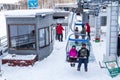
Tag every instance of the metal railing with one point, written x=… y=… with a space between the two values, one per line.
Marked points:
x=3 y=40
x=23 y=39
x=3 y=43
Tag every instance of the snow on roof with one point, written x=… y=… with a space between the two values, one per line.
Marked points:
x=27 y=13
x=61 y=13
x=8 y=1
x=66 y=5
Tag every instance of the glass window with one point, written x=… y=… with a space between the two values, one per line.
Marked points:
x=50 y=30
x=103 y=20
x=44 y=39
x=41 y=38
x=52 y=33
x=22 y=36
x=47 y=36
x=13 y=33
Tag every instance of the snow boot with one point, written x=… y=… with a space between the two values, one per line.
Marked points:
x=86 y=70
x=78 y=69
x=73 y=64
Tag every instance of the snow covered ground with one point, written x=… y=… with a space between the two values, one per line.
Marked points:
x=2 y=25
x=55 y=66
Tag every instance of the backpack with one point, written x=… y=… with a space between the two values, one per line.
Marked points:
x=83 y=52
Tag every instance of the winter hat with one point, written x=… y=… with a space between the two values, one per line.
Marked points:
x=83 y=44
x=74 y=46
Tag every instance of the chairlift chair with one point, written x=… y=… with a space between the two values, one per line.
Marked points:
x=71 y=41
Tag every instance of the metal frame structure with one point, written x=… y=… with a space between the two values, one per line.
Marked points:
x=112 y=23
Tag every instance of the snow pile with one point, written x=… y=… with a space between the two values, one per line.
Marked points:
x=19 y=57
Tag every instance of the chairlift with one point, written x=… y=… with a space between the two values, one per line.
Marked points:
x=72 y=41
x=80 y=23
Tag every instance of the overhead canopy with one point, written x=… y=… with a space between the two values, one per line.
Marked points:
x=72 y=5
x=28 y=13
x=61 y=13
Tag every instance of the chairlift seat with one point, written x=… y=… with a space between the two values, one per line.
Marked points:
x=71 y=42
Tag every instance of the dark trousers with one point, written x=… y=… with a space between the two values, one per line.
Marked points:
x=60 y=37
x=83 y=36
x=56 y=37
x=88 y=34
x=118 y=52
x=84 y=61
x=76 y=37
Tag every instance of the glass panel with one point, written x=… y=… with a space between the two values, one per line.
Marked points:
x=103 y=21
x=41 y=38
x=50 y=34
x=13 y=33
x=47 y=36
x=22 y=36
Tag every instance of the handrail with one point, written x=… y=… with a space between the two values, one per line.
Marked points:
x=23 y=39
x=3 y=37
x=3 y=43
x=72 y=21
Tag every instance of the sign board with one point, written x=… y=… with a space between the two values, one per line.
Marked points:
x=113 y=68
x=32 y=4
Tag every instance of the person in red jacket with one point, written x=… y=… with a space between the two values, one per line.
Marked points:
x=60 y=32
x=56 y=37
x=88 y=30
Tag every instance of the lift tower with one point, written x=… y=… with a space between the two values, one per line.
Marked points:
x=112 y=31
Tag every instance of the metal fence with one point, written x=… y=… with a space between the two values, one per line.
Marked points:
x=3 y=40
x=3 y=43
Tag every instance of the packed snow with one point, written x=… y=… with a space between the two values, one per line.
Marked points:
x=19 y=57
x=55 y=67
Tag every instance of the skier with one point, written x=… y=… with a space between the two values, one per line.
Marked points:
x=73 y=55
x=83 y=55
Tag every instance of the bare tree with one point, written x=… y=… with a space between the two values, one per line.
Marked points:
x=23 y=4
x=44 y=3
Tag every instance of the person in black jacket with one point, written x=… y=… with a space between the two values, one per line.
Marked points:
x=118 y=46
x=76 y=34
x=83 y=55
x=83 y=32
